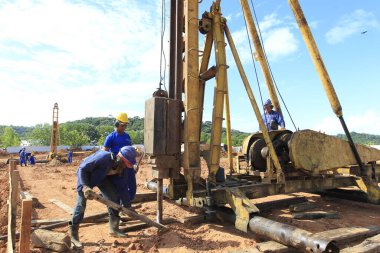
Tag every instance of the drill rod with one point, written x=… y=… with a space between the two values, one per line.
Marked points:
x=127 y=211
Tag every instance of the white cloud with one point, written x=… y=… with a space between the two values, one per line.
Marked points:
x=94 y=59
x=367 y=122
x=280 y=42
x=278 y=36
x=351 y=24
x=270 y=21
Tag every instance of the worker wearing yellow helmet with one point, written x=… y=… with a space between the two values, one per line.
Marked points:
x=119 y=138
x=114 y=142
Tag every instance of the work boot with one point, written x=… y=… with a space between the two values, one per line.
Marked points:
x=114 y=227
x=73 y=231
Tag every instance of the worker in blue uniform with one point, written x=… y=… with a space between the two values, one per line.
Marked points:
x=118 y=139
x=32 y=160
x=22 y=154
x=107 y=172
x=70 y=156
x=272 y=119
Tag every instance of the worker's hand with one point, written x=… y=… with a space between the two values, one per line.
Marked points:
x=88 y=192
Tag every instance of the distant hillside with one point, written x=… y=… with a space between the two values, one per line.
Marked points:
x=93 y=130
x=361 y=138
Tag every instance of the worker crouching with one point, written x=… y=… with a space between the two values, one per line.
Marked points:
x=109 y=173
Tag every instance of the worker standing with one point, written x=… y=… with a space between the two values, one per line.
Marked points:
x=32 y=160
x=271 y=118
x=22 y=154
x=118 y=139
x=70 y=156
x=102 y=169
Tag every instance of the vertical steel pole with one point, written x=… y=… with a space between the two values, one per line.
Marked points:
x=260 y=55
x=172 y=52
x=228 y=129
x=159 y=200
x=191 y=156
x=179 y=51
x=322 y=73
x=219 y=91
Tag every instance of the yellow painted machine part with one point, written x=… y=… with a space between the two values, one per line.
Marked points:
x=219 y=91
x=316 y=57
x=203 y=67
x=253 y=103
x=191 y=159
x=54 y=140
x=228 y=129
x=260 y=55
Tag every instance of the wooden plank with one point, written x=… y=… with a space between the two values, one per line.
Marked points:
x=37 y=223
x=194 y=219
x=315 y=215
x=346 y=235
x=246 y=250
x=302 y=207
x=25 y=226
x=145 y=197
x=62 y=205
x=272 y=246
x=370 y=245
x=12 y=205
x=280 y=203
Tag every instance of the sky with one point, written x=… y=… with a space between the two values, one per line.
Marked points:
x=99 y=58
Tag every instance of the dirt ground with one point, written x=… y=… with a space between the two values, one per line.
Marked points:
x=59 y=182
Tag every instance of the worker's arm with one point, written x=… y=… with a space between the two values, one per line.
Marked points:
x=106 y=149
x=280 y=121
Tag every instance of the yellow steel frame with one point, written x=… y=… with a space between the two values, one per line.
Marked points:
x=191 y=158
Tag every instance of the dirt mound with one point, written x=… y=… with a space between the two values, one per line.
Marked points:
x=4 y=192
x=54 y=163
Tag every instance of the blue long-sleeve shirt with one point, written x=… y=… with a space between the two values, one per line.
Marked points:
x=93 y=171
x=273 y=116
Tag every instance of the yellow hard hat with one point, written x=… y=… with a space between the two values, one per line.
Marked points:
x=122 y=117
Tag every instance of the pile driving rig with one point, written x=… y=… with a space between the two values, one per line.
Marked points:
x=278 y=161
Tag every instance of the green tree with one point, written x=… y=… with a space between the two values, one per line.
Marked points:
x=40 y=135
x=103 y=131
x=10 y=137
x=83 y=128
x=73 y=138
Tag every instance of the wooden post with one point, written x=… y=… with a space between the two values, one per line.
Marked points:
x=25 y=226
x=12 y=205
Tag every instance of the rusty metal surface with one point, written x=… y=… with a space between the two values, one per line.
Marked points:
x=292 y=236
x=161 y=126
x=315 y=152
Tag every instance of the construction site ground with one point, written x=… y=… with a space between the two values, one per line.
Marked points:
x=46 y=182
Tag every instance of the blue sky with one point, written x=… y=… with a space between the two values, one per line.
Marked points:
x=97 y=58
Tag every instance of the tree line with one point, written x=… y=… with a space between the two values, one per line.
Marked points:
x=93 y=131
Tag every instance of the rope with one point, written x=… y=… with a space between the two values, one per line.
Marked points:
x=270 y=70
x=254 y=65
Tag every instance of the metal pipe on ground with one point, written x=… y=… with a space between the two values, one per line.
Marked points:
x=292 y=236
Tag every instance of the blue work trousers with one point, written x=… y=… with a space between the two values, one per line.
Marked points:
x=108 y=191
x=22 y=161
x=131 y=182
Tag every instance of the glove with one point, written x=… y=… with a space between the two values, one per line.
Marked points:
x=88 y=192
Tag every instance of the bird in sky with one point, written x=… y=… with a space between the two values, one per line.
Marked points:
x=363 y=32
